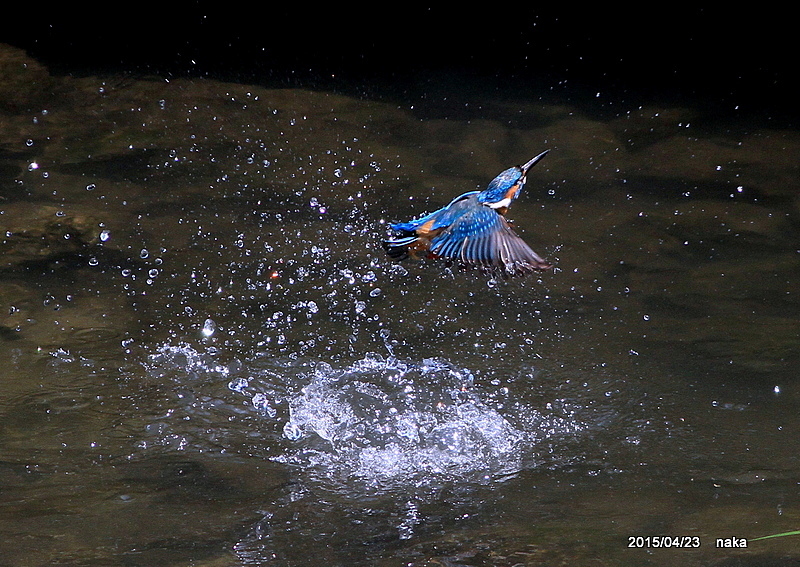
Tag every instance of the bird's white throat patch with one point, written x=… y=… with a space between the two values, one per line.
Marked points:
x=499 y=204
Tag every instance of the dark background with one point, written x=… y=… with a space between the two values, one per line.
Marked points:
x=698 y=54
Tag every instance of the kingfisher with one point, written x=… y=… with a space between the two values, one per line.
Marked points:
x=472 y=229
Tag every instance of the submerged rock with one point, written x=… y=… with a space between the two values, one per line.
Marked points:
x=24 y=82
x=34 y=231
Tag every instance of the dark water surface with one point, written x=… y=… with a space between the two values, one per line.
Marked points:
x=208 y=360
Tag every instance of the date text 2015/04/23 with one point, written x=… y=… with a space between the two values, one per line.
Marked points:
x=663 y=541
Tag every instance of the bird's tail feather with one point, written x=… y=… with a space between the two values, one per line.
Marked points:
x=397 y=248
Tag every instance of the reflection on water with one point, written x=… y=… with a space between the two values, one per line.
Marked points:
x=208 y=357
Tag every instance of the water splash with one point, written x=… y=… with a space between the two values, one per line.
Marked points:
x=377 y=421
x=385 y=421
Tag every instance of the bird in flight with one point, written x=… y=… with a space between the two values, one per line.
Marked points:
x=472 y=229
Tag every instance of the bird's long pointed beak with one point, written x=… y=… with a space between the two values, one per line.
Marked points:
x=533 y=162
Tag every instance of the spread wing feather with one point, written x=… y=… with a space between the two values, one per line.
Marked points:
x=477 y=235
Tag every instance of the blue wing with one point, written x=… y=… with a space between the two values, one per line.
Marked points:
x=415 y=235
x=477 y=235
x=413 y=225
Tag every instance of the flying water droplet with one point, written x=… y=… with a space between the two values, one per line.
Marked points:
x=209 y=327
x=238 y=384
x=261 y=403
x=291 y=431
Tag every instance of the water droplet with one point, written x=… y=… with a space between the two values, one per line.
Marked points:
x=238 y=384
x=261 y=403
x=144 y=253
x=209 y=327
x=105 y=235
x=90 y=187
x=292 y=432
